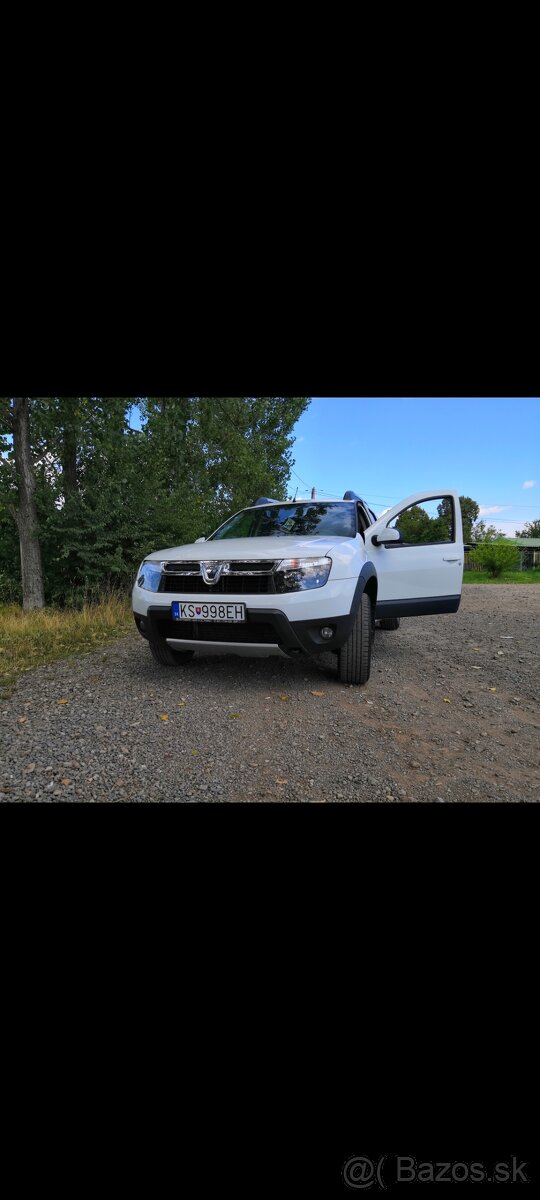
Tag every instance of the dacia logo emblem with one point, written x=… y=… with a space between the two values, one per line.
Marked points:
x=212 y=571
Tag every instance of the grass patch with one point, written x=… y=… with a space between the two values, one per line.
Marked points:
x=32 y=639
x=532 y=576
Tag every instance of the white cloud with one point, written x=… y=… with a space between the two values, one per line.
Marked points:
x=300 y=439
x=495 y=508
x=529 y=483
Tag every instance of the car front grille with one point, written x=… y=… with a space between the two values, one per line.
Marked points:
x=248 y=578
x=229 y=585
x=248 y=567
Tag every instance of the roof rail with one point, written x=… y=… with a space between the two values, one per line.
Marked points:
x=263 y=500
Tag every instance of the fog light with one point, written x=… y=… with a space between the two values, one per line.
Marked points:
x=326 y=632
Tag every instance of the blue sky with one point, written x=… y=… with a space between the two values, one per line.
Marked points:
x=386 y=449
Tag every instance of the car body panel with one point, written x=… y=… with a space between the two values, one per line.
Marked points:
x=417 y=572
x=333 y=600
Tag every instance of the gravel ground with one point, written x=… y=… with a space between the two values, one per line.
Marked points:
x=451 y=713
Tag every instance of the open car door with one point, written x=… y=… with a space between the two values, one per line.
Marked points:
x=417 y=550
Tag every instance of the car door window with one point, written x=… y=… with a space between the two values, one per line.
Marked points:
x=427 y=524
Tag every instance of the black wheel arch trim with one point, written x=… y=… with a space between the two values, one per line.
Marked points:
x=367 y=573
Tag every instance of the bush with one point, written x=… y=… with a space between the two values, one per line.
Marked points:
x=496 y=557
x=10 y=589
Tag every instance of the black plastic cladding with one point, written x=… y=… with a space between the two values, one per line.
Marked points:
x=355 y=496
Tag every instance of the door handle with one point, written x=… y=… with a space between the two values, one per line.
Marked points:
x=458 y=560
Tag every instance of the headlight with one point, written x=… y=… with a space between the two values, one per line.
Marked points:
x=300 y=574
x=149 y=576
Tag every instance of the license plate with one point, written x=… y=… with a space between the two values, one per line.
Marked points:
x=182 y=611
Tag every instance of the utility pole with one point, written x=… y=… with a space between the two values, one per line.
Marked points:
x=313 y=493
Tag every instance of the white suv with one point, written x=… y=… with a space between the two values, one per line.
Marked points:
x=302 y=577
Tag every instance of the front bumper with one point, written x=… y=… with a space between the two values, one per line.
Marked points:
x=266 y=630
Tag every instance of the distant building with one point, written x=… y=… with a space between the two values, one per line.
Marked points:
x=529 y=549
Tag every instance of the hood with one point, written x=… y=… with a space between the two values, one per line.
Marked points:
x=274 y=548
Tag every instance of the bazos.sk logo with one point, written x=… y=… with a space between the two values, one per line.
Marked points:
x=361 y=1173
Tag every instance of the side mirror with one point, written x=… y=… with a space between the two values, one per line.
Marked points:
x=389 y=537
x=200 y=540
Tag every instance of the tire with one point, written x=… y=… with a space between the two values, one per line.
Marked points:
x=166 y=656
x=389 y=623
x=354 y=658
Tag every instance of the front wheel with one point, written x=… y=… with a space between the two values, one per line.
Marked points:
x=166 y=656
x=354 y=658
x=389 y=623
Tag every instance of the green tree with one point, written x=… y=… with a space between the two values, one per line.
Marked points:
x=531 y=529
x=105 y=494
x=89 y=503
x=496 y=557
x=213 y=455
x=469 y=513
x=417 y=528
x=177 y=491
x=486 y=533
x=20 y=493
x=10 y=565
x=84 y=505
x=247 y=442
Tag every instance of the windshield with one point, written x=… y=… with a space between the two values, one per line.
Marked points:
x=291 y=520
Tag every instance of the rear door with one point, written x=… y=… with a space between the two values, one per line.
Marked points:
x=422 y=573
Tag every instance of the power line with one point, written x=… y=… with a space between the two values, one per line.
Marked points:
x=301 y=480
x=372 y=500
x=323 y=492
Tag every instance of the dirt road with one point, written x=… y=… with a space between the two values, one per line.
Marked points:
x=451 y=713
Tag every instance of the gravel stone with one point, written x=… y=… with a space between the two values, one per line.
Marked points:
x=392 y=741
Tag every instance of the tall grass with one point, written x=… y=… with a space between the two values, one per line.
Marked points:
x=31 y=639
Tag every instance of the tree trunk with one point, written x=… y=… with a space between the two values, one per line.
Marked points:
x=25 y=514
